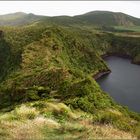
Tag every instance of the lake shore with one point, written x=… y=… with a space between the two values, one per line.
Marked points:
x=126 y=56
x=116 y=54
x=100 y=74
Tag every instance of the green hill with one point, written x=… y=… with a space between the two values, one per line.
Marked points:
x=108 y=18
x=47 y=87
x=18 y=18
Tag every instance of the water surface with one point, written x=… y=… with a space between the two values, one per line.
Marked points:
x=123 y=83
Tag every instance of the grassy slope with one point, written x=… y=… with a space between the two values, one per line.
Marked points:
x=59 y=62
x=51 y=120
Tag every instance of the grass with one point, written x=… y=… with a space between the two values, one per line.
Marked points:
x=39 y=120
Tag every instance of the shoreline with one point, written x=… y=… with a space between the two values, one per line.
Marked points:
x=101 y=73
x=116 y=54
x=125 y=56
x=105 y=72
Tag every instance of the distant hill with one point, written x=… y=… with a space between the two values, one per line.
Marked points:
x=108 y=18
x=18 y=18
x=91 y=18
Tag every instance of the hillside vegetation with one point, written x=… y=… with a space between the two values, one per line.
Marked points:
x=46 y=81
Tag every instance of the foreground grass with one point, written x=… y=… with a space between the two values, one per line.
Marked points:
x=51 y=120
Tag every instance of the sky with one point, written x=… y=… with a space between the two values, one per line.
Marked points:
x=71 y=8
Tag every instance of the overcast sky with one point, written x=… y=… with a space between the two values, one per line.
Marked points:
x=55 y=8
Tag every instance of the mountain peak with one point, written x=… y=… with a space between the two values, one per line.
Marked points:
x=98 y=12
x=20 y=13
x=108 y=18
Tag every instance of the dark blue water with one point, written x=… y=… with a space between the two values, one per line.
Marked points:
x=123 y=84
